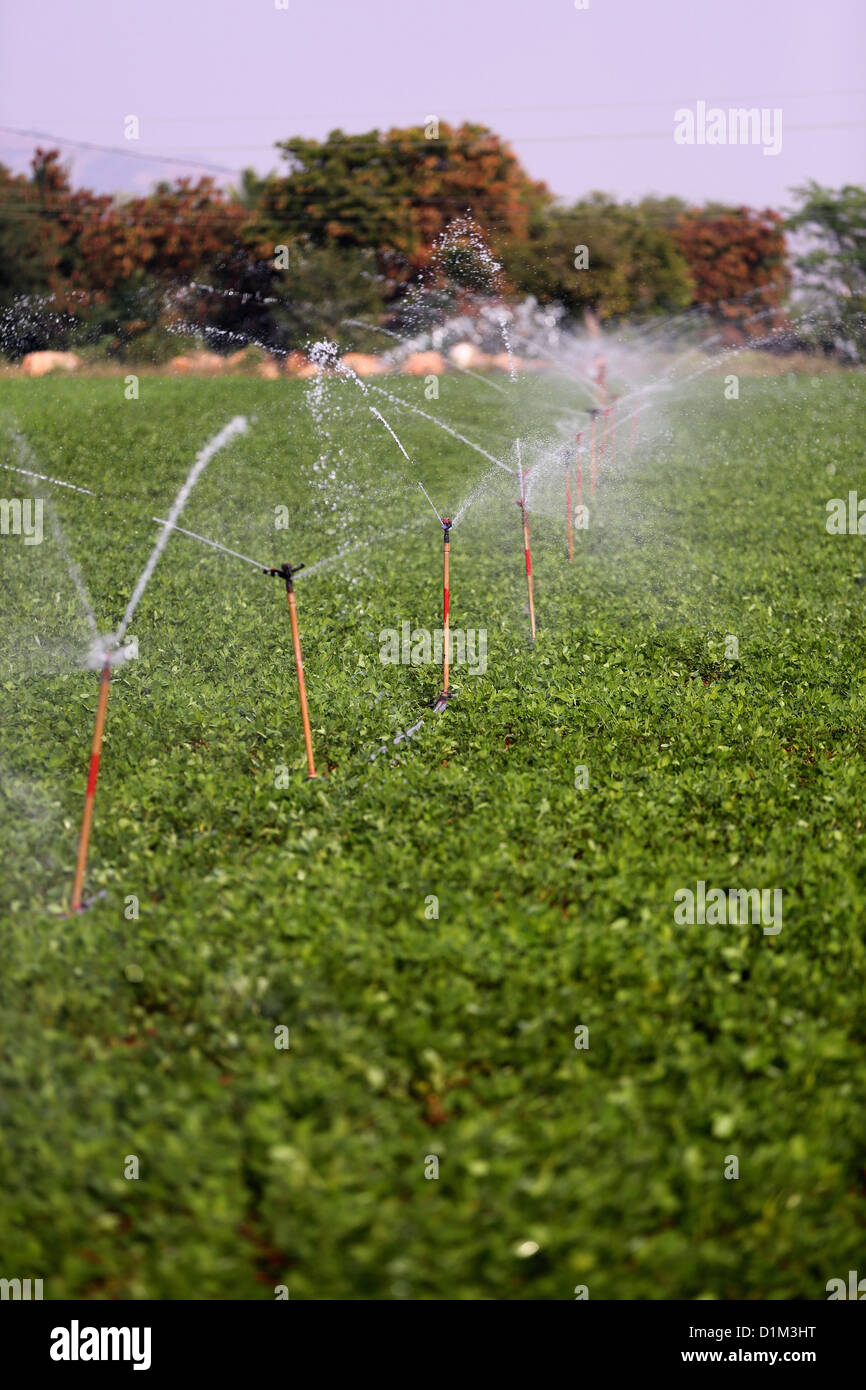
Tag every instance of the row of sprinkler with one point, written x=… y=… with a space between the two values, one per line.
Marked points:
x=287 y=572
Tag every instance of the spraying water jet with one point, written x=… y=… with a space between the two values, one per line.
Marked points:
x=110 y=650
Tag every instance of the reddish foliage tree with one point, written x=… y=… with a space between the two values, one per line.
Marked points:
x=172 y=233
x=738 y=259
x=109 y=261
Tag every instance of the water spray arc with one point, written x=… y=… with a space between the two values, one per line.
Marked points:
x=109 y=648
x=215 y=545
x=288 y=572
x=236 y=426
x=446 y=524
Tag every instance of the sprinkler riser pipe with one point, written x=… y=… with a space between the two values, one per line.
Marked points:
x=302 y=687
x=579 y=469
x=593 y=469
x=92 y=779
x=287 y=572
x=446 y=610
x=528 y=559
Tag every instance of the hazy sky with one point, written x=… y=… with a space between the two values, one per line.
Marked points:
x=587 y=97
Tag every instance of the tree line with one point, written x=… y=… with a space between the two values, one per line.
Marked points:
x=354 y=224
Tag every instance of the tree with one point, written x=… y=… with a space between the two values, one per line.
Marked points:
x=738 y=260
x=394 y=193
x=26 y=260
x=32 y=251
x=834 y=267
x=602 y=256
x=182 y=255
x=106 y=268
x=662 y=212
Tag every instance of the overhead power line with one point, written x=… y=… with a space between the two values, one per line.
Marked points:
x=179 y=152
x=286 y=117
x=114 y=149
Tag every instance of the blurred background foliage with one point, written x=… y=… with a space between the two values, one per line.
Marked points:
x=359 y=218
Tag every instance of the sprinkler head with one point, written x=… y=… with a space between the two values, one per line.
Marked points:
x=85 y=904
x=441 y=701
x=447 y=523
x=286 y=572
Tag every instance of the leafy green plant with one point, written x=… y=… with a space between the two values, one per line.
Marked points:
x=306 y=906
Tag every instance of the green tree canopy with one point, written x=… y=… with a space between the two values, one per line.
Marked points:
x=834 y=266
x=630 y=264
x=394 y=193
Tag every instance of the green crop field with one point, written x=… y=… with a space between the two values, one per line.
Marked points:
x=437 y=921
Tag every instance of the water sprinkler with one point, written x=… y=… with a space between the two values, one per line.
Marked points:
x=579 y=470
x=601 y=377
x=521 y=502
x=287 y=572
x=92 y=778
x=110 y=649
x=447 y=693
